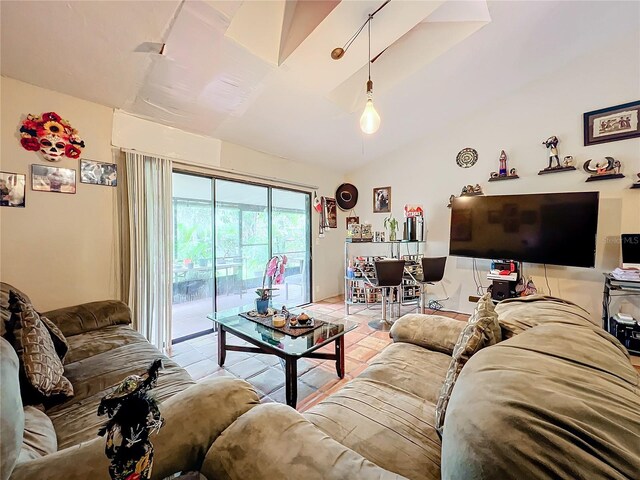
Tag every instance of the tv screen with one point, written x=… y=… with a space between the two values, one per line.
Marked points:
x=551 y=228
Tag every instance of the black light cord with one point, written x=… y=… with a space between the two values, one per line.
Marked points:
x=369 y=32
x=355 y=35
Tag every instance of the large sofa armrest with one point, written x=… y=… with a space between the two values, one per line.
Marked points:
x=274 y=441
x=434 y=332
x=193 y=420
x=89 y=316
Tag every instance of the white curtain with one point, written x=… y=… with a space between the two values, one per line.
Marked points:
x=150 y=246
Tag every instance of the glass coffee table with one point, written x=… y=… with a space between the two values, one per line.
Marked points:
x=269 y=341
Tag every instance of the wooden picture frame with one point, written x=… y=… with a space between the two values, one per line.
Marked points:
x=611 y=124
x=382 y=200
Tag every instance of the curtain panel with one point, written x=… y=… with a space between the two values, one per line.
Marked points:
x=150 y=246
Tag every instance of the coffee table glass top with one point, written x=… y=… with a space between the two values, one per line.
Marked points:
x=295 y=346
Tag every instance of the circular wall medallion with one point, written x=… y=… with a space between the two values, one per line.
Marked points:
x=467 y=157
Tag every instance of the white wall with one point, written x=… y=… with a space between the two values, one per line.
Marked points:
x=426 y=172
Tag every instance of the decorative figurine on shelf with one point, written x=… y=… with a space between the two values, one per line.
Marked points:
x=552 y=144
x=133 y=417
x=606 y=170
x=637 y=184
x=502 y=173
x=567 y=165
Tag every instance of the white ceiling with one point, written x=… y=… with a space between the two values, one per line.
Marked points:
x=259 y=73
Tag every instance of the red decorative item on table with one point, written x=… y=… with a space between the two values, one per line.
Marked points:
x=53 y=136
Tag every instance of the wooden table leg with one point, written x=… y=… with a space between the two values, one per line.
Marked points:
x=291 y=381
x=222 y=343
x=340 y=356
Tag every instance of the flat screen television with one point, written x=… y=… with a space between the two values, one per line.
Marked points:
x=551 y=228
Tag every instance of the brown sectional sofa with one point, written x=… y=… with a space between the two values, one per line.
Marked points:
x=103 y=350
x=558 y=400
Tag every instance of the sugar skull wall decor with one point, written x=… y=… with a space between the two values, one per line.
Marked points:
x=54 y=137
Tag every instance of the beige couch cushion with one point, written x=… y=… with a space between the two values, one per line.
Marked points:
x=557 y=401
x=11 y=411
x=387 y=413
x=39 y=435
x=516 y=315
x=482 y=330
x=414 y=369
x=96 y=375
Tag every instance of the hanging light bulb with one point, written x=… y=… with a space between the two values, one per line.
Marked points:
x=370 y=120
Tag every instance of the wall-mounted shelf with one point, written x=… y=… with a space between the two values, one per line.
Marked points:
x=556 y=170
x=607 y=176
x=503 y=177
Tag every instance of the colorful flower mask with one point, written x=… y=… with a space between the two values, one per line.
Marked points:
x=53 y=136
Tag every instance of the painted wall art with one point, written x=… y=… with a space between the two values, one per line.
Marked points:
x=612 y=123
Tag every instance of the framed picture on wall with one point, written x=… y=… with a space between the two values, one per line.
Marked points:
x=382 y=200
x=12 y=187
x=53 y=179
x=612 y=123
x=330 y=212
x=98 y=173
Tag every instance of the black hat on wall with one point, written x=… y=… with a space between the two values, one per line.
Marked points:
x=346 y=196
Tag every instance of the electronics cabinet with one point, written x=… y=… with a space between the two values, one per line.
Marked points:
x=360 y=272
x=629 y=336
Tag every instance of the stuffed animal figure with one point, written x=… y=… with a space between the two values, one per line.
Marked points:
x=133 y=416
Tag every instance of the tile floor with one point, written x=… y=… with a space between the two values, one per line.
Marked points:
x=316 y=378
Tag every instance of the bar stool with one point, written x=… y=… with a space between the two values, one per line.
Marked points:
x=432 y=272
x=389 y=275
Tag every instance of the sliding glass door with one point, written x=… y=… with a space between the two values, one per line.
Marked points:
x=224 y=233
x=290 y=236
x=242 y=241
x=193 y=283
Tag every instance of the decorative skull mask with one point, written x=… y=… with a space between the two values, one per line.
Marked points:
x=53 y=136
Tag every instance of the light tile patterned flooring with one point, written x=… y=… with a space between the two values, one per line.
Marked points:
x=316 y=378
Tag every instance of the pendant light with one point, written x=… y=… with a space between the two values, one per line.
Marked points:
x=370 y=119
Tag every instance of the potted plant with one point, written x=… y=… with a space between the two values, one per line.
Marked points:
x=274 y=271
x=391 y=224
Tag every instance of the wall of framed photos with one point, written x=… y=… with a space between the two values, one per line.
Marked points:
x=518 y=122
x=62 y=247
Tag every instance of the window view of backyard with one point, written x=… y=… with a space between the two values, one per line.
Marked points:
x=221 y=247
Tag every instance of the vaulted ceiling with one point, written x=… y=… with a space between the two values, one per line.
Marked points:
x=259 y=73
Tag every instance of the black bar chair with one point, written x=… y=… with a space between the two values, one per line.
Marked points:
x=389 y=275
x=432 y=272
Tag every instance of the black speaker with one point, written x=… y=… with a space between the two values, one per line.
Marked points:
x=501 y=289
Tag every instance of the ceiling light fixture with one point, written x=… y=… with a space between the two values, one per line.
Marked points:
x=370 y=120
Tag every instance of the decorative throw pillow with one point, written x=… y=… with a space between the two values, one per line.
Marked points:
x=58 y=338
x=41 y=367
x=481 y=330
